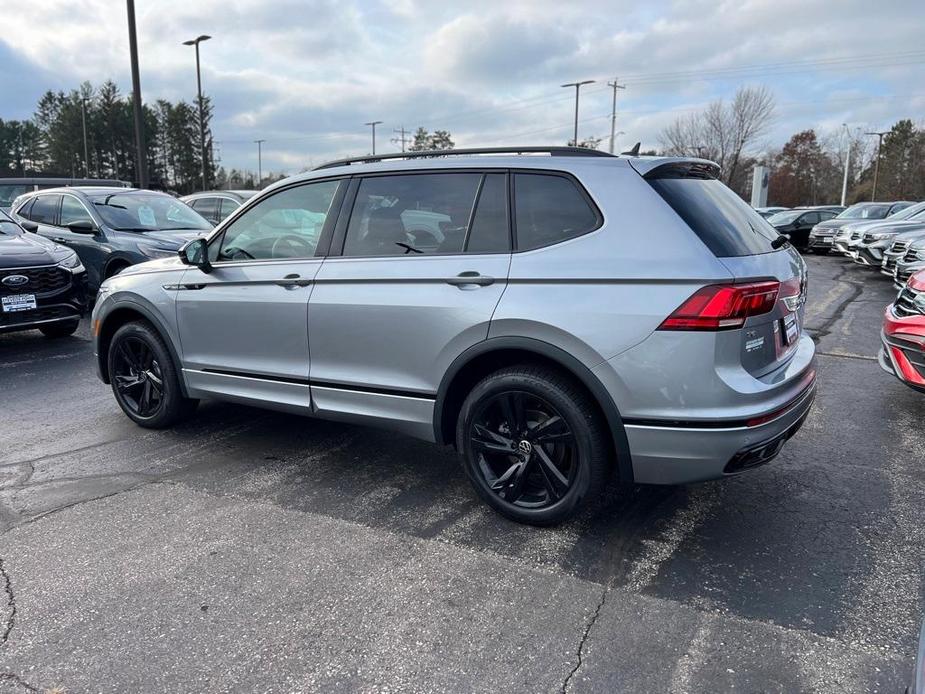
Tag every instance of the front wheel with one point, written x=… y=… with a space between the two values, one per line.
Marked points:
x=532 y=444
x=62 y=329
x=144 y=378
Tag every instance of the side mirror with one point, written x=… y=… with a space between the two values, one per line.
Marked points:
x=82 y=226
x=29 y=225
x=196 y=252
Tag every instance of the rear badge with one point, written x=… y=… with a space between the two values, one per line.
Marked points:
x=752 y=345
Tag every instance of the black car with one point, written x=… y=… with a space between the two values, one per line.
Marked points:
x=42 y=285
x=797 y=223
x=110 y=228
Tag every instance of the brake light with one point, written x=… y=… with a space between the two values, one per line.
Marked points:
x=723 y=306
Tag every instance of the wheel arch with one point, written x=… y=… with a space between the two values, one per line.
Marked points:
x=115 y=318
x=495 y=353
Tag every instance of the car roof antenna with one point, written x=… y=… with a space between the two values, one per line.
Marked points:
x=634 y=152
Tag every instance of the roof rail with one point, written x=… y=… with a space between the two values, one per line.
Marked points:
x=552 y=151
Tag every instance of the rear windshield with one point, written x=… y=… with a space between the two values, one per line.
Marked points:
x=723 y=221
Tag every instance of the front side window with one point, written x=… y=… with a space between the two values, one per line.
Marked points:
x=73 y=211
x=141 y=211
x=429 y=214
x=227 y=207
x=549 y=209
x=44 y=209
x=810 y=218
x=207 y=207
x=285 y=225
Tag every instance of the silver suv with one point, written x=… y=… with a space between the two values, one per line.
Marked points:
x=557 y=318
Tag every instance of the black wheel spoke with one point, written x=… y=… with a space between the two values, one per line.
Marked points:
x=126 y=353
x=556 y=483
x=553 y=429
x=523 y=449
x=137 y=377
x=489 y=440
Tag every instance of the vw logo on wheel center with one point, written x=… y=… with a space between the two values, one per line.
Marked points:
x=526 y=448
x=15 y=280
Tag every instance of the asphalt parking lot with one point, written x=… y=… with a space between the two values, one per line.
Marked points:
x=255 y=551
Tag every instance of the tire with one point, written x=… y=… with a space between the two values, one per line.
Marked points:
x=62 y=329
x=506 y=449
x=144 y=377
x=821 y=251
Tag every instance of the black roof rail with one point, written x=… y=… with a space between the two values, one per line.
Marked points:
x=552 y=151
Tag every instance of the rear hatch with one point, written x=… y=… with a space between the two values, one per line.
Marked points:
x=766 y=330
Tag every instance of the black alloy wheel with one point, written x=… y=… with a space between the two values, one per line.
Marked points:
x=137 y=376
x=526 y=451
x=533 y=444
x=144 y=378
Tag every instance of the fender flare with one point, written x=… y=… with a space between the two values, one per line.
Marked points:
x=151 y=316
x=563 y=359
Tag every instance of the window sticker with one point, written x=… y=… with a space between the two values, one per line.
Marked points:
x=146 y=216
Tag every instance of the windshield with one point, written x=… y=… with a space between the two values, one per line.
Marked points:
x=10 y=191
x=865 y=212
x=147 y=212
x=784 y=217
x=7 y=226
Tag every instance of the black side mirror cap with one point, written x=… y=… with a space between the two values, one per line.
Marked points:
x=29 y=225
x=82 y=227
x=196 y=252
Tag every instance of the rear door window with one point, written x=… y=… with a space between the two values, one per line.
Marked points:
x=227 y=207
x=208 y=208
x=721 y=219
x=550 y=208
x=45 y=209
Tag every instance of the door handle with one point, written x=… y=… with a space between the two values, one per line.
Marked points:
x=470 y=277
x=59 y=239
x=292 y=282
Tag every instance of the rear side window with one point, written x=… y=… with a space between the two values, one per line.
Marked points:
x=44 y=209
x=549 y=209
x=26 y=209
x=720 y=218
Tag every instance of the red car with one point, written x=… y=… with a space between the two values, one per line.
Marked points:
x=903 y=351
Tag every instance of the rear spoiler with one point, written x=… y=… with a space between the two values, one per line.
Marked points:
x=675 y=167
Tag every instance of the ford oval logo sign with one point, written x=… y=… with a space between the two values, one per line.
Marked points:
x=15 y=281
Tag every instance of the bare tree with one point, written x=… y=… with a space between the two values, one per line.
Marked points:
x=723 y=132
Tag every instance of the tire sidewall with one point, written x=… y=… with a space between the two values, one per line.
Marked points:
x=552 y=393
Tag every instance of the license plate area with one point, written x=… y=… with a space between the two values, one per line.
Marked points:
x=18 y=302
x=790 y=328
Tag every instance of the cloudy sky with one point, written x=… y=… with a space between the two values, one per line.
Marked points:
x=306 y=74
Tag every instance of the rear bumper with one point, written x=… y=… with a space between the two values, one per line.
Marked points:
x=697 y=451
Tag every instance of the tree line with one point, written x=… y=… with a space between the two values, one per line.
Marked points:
x=809 y=169
x=52 y=141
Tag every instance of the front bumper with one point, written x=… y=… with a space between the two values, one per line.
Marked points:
x=901 y=354
x=869 y=255
x=818 y=242
x=65 y=304
x=695 y=452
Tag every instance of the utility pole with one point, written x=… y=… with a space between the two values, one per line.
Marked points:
x=578 y=86
x=140 y=159
x=613 y=110
x=402 y=139
x=873 y=195
x=373 y=124
x=202 y=122
x=844 y=181
x=259 y=161
x=83 y=117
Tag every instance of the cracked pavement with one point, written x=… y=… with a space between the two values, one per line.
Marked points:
x=255 y=551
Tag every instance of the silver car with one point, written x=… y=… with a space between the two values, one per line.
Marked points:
x=911 y=262
x=899 y=244
x=557 y=318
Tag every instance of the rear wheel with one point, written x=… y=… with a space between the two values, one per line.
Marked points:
x=532 y=444
x=62 y=329
x=144 y=378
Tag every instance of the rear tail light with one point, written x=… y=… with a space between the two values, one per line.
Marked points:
x=723 y=306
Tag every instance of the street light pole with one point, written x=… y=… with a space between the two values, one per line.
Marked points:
x=140 y=158
x=259 y=161
x=374 y=124
x=577 y=86
x=873 y=195
x=83 y=117
x=202 y=122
